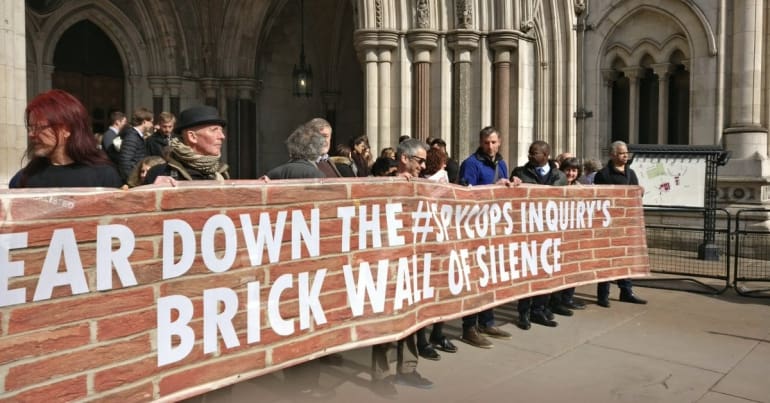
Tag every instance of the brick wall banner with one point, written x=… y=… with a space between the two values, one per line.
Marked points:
x=161 y=293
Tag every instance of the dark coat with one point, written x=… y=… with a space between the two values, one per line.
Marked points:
x=157 y=144
x=296 y=169
x=179 y=171
x=609 y=175
x=107 y=145
x=132 y=150
x=528 y=174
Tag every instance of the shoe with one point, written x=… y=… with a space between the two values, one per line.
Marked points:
x=413 y=379
x=523 y=323
x=603 y=302
x=333 y=359
x=630 y=297
x=541 y=319
x=428 y=352
x=317 y=393
x=560 y=309
x=384 y=388
x=444 y=345
x=494 y=331
x=472 y=336
x=548 y=313
x=575 y=305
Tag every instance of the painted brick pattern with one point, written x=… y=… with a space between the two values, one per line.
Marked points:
x=102 y=345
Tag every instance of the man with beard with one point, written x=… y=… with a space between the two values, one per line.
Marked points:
x=158 y=142
x=484 y=167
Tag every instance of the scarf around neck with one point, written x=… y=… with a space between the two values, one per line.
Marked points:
x=205 y=164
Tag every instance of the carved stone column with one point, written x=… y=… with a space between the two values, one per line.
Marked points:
x=422 y=43
x=663 y=71
x=462 y=42
x=608 y=80
x=245 y=138
x=366 y=45
x=13 y=92
x=173 y=84
x=330 y=99
x=209 y=86
x=46 y=77
x=745 y=136
x=633 y=74
x=504 y=43
x=157 y=85
x=375 y=48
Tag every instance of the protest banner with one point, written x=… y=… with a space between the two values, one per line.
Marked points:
x=162 y=293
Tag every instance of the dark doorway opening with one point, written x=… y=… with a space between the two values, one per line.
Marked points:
x=87 y=64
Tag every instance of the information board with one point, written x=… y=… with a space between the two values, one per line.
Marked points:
x=671 y=180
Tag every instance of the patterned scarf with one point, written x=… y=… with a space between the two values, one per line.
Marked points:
x=205 y=164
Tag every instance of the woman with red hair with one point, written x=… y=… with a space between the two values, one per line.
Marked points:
x=62 y=151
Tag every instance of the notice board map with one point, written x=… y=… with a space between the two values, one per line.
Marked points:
x=671 y=180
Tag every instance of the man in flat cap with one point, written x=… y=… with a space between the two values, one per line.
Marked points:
x=195 y=153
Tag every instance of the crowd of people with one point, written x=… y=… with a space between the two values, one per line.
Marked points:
x=62 y=152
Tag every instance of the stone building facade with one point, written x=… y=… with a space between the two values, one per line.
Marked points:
x=576 y=73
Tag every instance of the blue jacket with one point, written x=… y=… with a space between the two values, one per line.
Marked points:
x=479 y=169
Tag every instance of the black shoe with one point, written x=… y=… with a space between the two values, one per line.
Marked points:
x=444 y=345
x=603 y=302
x=413 y=379
x=428 y=352
x=574 y=305
x=630 y=297
x=384 y=388
x=523 y=323
x=541 y=319
x=560 y=309
x=548 y=313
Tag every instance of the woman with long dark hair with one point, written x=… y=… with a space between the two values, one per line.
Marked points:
x=62 y=151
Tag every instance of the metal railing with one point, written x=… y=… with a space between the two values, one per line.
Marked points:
x=752 y=254
x=678 y=248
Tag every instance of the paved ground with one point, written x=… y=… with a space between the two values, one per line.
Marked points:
x=681 y=347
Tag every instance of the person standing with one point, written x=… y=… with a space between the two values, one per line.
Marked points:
x=305 y=146
x=411 y=155
x=132 y=148
x=617 y=172
x=117 y=123
x=62 y=151
x=195 y=153
x=158 y=142
x=539 y=170
x=452 y=168
x=484 y=167
x=566 y=297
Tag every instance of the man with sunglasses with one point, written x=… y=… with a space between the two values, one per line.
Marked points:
x=410 y=154
x=484 y=167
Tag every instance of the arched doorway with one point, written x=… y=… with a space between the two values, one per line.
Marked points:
x=87 y=64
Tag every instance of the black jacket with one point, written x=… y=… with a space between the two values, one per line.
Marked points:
x=157 y=144
x=609 y=175
x=132 y=151
x=528 y=174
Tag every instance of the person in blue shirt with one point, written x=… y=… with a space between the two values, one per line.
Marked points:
x=484 y=167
